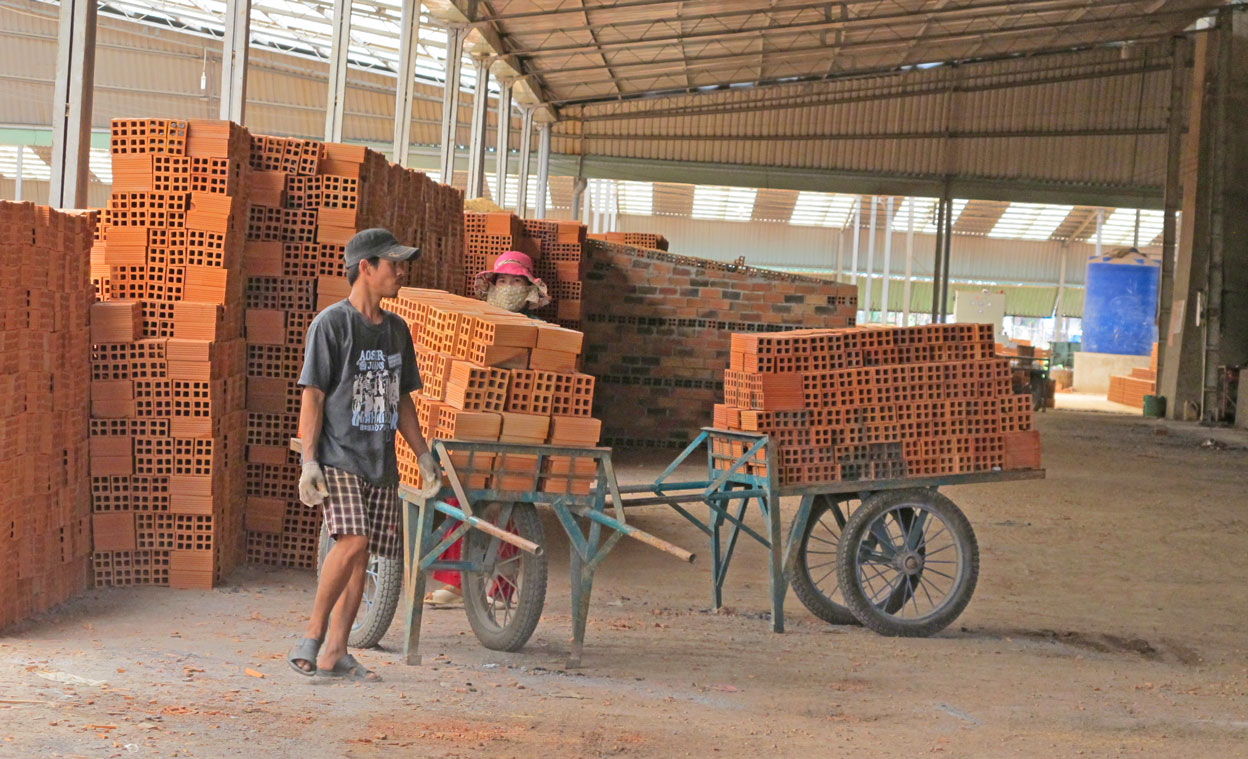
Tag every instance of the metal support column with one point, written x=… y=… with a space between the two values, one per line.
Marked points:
x=450 y=102
x=1058 y=309
x=476 y=140
x=1217 y=220
x=543 y=169
x=17 y=182
x=338 y=70
x=853 y=261
x=409 y=36
x=888 y=259
x=526 y=142
x=866 y=309
x=940 y=253
x=502 y=149
x=72 y=101
x=234 y=60
x=905 y=292
x=944 y=279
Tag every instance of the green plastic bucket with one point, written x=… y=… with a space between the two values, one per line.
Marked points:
x=1154 y=406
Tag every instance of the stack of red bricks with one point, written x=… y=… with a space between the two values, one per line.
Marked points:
x=494 y=376
x=557 y=250
x=1130 y=389
x=308 y=199
x=658 y=327
x=167 y=372
x=45 y=502
x=649 y=240
x=877 y=403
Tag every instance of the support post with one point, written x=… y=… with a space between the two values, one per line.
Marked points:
x=1058 y=307
x=476 y=141
x=944 y=280
x=526 y=142
x=450 y=102
x=940 y=252
x=543 y=169
x=905 y=292
x=853 y=261
x=1217 y=218
x=17 y=189
x=1173 y=197
x=72 y=97
x=502 y=150
x=866 y=310
x=234 y=50
x=409 y=36
x=339 y=48
x=888 y=259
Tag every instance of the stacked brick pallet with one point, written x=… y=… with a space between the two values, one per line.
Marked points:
x=167 y=373
x=45 y=503
x=633 y=239
x=493 y=376
x=556 y=247
x=1130 y=389
x=658 y=326
x=877 y=403
x=307 y=200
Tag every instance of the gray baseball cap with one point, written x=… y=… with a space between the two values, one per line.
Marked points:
x=377 y=243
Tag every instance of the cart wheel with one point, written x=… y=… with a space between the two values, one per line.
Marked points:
x=815 y=582
x=908 y=562
x=504 y=602
x=383 y=585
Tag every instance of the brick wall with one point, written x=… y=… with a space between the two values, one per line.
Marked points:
x=657 y=329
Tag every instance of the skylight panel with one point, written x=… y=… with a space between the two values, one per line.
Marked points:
x=101 y=164
x=821 y=209
x=636 y=198
x=33 y=166
x=723 y=203
x=1030 y=221
x=1119 y=227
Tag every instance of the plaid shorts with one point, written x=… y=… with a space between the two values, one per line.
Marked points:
x=355 y=506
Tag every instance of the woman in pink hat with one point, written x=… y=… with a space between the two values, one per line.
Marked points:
x=510 y=285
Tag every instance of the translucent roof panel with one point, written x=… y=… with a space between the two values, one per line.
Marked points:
x=635 y=198
x=723 y=203
x=821 y=209
x=1030 y=221
x=101 y=165
x=1119 y=227
x=304 y=27
x=33 y=167
x=513 y=189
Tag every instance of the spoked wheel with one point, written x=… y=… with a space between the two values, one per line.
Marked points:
x=504 y=601
x=815 y=581
x=908 y=562
x=383 y=585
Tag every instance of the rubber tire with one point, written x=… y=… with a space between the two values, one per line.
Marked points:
x=872 y=616
x=389 y=590
x=532 y=597
x=804 y=586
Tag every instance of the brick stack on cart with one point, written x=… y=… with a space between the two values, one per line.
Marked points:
x=45 y=502
x=167 y=358
x=868 y=403
x=493 y=376
x=308 y=199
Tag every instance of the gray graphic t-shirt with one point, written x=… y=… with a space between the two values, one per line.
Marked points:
x=363 y=369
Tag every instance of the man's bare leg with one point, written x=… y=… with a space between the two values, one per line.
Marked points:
x=336 y=575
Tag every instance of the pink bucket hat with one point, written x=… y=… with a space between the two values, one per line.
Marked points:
x=511 y=262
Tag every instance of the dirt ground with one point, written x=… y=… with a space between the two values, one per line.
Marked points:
x=1108 y=621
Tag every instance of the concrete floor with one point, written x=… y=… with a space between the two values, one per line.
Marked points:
x=1108 y=621
x=1073 y=401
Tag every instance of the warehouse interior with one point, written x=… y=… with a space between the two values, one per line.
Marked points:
x=724 y=199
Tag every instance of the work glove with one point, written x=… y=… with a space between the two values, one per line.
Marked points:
x=430 y=476
x=312 y=489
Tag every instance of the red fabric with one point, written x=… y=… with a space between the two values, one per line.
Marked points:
x=452 y=553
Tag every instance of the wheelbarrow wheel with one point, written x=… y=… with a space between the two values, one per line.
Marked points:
x=908 y=562
x=383 y=585
x=504 y=601
x=815 y=581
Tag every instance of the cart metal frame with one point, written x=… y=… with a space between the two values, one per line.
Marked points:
x=729 y=491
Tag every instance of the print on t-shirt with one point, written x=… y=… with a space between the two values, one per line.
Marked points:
x=375 y=391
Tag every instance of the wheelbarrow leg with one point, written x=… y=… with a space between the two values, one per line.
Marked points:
x=775 y=562
x=582 y=585
x=717 y=579
x=417 y=523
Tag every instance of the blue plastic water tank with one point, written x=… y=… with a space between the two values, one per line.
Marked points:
x=1120 y=305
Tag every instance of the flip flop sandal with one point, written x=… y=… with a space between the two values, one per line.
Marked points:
x=305 y=650
x=351 y=669
x=443 y=597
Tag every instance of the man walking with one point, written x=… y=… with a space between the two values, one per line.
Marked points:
x=359 y=370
